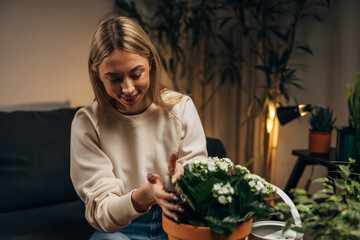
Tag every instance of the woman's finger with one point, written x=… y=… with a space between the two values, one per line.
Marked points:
x=170 y=214
x=168 y=205
x=159 y=192
x=172 y=163
x=170 y=209
x=158 y=188
x=155 y=179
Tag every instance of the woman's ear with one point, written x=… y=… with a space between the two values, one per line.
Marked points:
x=95 y=72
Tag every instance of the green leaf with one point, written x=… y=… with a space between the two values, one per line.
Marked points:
x=282 y=207
x=301 y=191
x=287 y=225
x=298 y=229
x=320 y=195
x=340 y=183
x=222 y=227
x=187 y=191
x=356 y=184
x=345 y=170
x=203 y=190
x=335 y=198
x=303 y=208
x=321 y=180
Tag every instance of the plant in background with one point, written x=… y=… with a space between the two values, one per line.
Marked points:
x=322 y=120
x=222 y=196
x=348 y=139
x=269 y=28
x=334 y=211
x=353 y=101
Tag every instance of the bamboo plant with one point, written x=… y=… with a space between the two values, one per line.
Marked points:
x=270 y=30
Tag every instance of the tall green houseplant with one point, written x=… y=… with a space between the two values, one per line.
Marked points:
x=348 y=139
x=353 y=100
x=270 y=28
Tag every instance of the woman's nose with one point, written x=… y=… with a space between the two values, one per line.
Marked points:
x=128 y=87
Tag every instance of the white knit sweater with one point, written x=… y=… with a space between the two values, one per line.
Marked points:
x=112 y=153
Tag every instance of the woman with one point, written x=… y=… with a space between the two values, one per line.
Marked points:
x=128 y=147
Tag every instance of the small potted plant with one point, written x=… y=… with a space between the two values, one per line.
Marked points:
x=220 y=201
x=334 y=211
x=322 y=123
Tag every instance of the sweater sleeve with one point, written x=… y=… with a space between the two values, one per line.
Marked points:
x=107 y=208
x=193 y=140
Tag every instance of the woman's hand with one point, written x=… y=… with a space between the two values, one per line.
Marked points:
x=162 y=197
x=154 y=191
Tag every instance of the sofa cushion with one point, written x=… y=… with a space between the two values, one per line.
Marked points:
x=35 y=158
x=56 y=222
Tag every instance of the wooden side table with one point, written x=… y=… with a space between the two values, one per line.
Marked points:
x=306 y=158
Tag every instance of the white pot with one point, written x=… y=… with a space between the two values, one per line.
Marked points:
x=272 y=230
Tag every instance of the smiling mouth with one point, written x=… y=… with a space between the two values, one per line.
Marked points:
x=131 y=99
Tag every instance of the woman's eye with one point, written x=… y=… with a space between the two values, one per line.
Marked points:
x=136 y=76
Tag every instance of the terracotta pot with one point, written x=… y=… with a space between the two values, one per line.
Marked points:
x=179 y=231
x=319 y=142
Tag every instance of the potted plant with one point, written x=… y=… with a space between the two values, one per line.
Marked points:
x=322 y=123
x=334 y=211
x=220 y=201
x=347 y=142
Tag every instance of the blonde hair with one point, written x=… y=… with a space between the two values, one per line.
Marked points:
x=123 y=33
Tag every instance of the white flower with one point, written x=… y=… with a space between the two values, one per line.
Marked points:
x=223 y=192
x=223 y=166
x=241 y=169
x=211 y=166
x=229 y=188
x=259 y=186
x=229 y=162
x=252 y=184
x=222 y=199
x=216 y=186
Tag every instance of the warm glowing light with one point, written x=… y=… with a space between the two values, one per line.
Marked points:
x=272 y=109
x=271 y=116
x=269 y=124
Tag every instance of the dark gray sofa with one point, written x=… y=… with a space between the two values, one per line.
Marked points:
x=37 y=199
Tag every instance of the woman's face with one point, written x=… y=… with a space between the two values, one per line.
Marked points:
x=126 y=77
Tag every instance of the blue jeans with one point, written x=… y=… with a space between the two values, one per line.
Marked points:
x=145 y=227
